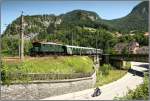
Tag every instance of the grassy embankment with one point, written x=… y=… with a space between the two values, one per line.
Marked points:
x=61 y=64
x=112 y=76
x=45 y=68
x=107 y=74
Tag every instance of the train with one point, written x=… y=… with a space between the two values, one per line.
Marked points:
x=49 y=48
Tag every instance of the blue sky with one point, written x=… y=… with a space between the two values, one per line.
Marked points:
x=11 y=9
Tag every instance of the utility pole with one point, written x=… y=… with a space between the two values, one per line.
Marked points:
x=72 y=39
x=22 y=38
x=96 y=47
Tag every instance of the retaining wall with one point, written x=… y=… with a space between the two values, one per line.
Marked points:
x=42 y=89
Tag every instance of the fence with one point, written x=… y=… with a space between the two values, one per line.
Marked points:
x=36 y=90
x=19 y=77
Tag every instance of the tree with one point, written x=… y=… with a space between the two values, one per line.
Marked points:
x=125 y=51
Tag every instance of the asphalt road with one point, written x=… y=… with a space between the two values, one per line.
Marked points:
x=110 y=91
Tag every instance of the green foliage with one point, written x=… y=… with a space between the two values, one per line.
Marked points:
x=113 y=75
x=10 y=45
x=61 y=64
x=4 y=74
x=138 y=37
x=125 y=51
x=82 y=37
x=105 y=68
x=51 y=28
x=136 y=20
x=72 y=28
x=12 y=69
x=126 y=38
x=141 y=39
x=27 y=47
x=17 y=72
x=140 y=93
x=127 y=65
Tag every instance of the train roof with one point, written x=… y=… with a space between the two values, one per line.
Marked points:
x=78 y=47
x=51 y=43
x=81 y=47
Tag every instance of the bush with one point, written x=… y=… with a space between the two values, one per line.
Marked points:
x=105 y=69
x=10 y=45
x=140 y=93
x=4 y=74
x=13 y=71
x=127 y=65
x=8 y=75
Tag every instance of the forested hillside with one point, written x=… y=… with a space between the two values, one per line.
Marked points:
x=79 y=27
x=137 y=20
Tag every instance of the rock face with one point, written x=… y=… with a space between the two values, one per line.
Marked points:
x=143 y=50
x=92 y=18
x=41 y=23
x=136 y=20
x=58 y=21
x=40 y=90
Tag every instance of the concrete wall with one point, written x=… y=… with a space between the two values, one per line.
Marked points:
x=42 y=89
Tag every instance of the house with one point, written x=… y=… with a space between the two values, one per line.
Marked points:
x=143 y=50
x=146 y=34
x=119 y=47
x=133 y=47
x=118 y=34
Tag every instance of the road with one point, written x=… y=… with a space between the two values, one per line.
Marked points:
x=115 y=89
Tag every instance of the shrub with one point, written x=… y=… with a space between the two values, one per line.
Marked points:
x=127 y=65
x=17 y=72
x=105 y=69
x=4 y=74
x=9 y=75
x=140 y=93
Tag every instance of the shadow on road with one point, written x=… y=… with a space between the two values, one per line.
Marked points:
x=143 y=65
x=135 y=72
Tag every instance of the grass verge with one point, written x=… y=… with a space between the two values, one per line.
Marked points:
x=112 y=76
x=53 y=64
x=56 y=67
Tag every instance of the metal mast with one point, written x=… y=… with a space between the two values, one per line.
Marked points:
x=96 y=47
x=22 y=38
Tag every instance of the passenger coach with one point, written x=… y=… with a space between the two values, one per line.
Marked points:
x=46 y=48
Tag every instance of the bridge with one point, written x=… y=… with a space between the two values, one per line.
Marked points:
x=118 y=60
x=126 y=57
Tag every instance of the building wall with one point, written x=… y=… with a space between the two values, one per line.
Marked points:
x=40 y=89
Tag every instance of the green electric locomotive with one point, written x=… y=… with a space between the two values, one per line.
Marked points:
x=46 y=48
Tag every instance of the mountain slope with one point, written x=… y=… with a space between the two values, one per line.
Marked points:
x=79 y=28
x=51 y=24
x=137 y=19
